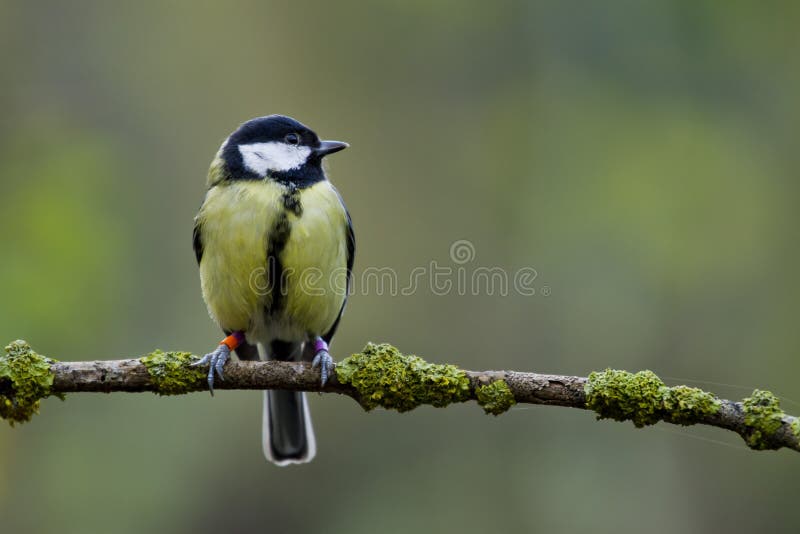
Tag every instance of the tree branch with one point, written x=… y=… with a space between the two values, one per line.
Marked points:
x=381 y=376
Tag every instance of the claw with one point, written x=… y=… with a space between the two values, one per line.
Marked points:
x=324 y=361
x=216 y=361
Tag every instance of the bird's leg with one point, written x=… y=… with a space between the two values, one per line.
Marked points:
x=216 y=360
x=322 y=359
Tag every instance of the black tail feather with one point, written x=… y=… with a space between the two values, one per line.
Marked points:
x=288 y=436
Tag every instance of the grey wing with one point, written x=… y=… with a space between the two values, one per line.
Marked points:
x=351 y=254
x=197 y=240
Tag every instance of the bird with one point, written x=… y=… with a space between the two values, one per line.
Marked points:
x=275 y=246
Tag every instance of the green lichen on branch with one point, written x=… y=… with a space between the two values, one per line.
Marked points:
x=763 y=417
x=495 y=398
x=383 y=376
x=171 y=372
x=644 y=399
x=685 y=405
x=25 y=379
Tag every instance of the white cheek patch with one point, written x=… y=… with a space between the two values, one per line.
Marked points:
x=261 y=158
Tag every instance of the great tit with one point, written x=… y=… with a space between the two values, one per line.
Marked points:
x=275 y=247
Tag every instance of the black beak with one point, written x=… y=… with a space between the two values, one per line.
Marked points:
x=329 y=147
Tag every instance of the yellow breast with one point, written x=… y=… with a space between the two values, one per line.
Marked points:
x=315 y=263
x=237 y=222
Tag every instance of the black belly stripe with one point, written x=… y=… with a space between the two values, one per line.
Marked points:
x=278 y=238
x=291 y=200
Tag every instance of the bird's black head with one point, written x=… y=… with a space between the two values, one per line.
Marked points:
x=279 y=148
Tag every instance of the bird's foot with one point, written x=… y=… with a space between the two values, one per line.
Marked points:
x=323 y=360
x=216 y=360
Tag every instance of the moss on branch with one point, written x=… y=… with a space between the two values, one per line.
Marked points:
x=171 y=372
x=764 y=417
x=27 y=378
x=495 y=398
x=645 y=400
x=385 y=377
x=381 y=376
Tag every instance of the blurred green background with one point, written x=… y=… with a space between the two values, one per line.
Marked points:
x=641 y=156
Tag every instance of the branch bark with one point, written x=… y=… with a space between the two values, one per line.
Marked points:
x=529 y=388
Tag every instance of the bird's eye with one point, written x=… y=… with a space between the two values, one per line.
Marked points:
x=292 y=139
